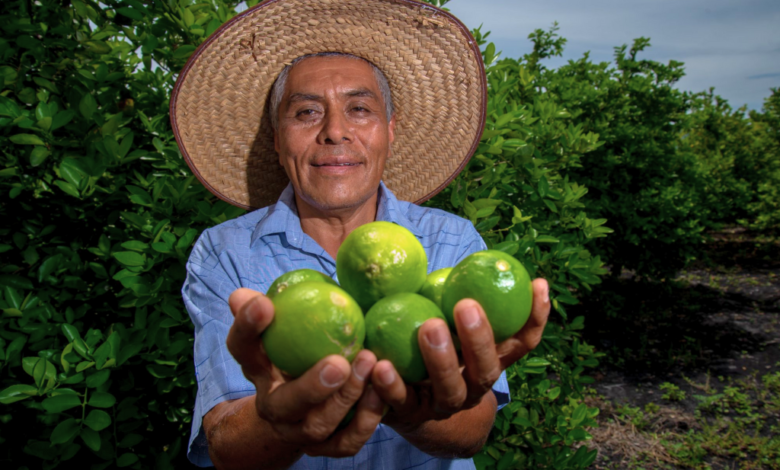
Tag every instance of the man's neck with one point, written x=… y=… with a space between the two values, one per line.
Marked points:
x=330 y=228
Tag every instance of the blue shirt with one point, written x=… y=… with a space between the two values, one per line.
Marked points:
x=256 y=248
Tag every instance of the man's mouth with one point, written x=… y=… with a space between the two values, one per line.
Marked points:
x=335 y=164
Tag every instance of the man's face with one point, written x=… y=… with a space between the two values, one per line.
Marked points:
x=333 y=136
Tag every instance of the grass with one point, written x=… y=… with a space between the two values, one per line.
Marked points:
x=723 y=311
x=731 y=426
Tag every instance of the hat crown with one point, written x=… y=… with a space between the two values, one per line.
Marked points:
x=433 y=65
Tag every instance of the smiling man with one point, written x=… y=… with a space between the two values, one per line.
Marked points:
x=347 y=131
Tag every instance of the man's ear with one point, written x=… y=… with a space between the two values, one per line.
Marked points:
x=276 y=147
x=391 y=129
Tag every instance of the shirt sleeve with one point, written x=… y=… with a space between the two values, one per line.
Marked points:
x=473 y=242
x=205 y=293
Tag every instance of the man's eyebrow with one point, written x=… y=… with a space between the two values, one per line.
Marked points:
x=356 y=93
x=361 y=93
x=298 y=97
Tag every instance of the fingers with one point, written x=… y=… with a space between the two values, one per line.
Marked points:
x=252 y=312
x=350 y=440
x=324 y=419
x=530 y=335
x=291 y=401
x=306 y=415
x=478 y=349
x=441 y=360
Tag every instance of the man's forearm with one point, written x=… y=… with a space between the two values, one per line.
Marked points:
x=240 y=439
x=460 y=436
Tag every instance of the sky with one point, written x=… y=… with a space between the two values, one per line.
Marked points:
x=732 y=45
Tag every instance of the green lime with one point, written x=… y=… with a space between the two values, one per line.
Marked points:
x=379 y=259
x=391 y=332
x=312 y=320
x=501 y=285
x=294 y=277
x=433 y=286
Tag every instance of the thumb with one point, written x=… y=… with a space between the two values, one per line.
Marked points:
x=252 y=313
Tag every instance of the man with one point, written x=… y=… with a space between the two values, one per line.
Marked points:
x=333 y=131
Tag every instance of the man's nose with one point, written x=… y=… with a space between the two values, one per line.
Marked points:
x=335 y=128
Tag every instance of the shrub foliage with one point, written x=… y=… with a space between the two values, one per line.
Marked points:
x=101 y=212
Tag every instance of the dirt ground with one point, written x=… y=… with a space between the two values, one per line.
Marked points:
x=715 y=326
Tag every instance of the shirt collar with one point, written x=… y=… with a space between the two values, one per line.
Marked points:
x=390 y=209
x=283 y=217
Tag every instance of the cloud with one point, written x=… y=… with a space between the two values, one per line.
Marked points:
x=721 y=42
x=764 y=75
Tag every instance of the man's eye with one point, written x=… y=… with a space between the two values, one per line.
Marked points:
x=305 y=112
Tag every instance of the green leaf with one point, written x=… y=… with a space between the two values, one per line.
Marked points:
x=506 y=460
x=68 y=188
x=522 y=421
x=17 y=282
x=61 y=403
x=62 y=118
x=38 y=155
x=543 y=186
x=46 y=84
x=51 y=265
x=70 y=332
x=87 y=106
x=43 y=370
x=580 y=412
x=91 y=439
x=71 y=171
x=84 y=365
x=183 y=52
x=188 y=17
x=17 y=392
x=98 y=47
x=126 y=460
x=26 y=139
x=537 y=362
x=65 y=431
x=579 y=434
x=102 y=400
x=97 y=379
x=130 y=440
x=98 y=420
x=546 y=239
x=130 y=258
x=130 y=13
x=135 y=245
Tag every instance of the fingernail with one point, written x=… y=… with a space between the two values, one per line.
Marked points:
x=438 y=337
x=331 y=376
x=361 y=368
x=250 y=311
x=470 y=317
x=386 y=377
x=546 y=293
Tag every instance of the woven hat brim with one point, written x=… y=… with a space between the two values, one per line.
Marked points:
x=432 y=63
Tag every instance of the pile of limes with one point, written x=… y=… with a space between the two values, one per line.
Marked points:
x=384 y=298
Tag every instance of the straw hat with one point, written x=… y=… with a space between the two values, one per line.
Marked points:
x=432 y=63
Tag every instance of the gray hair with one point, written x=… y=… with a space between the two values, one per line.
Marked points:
x=277 y=91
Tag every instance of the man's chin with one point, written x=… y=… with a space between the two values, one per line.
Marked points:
x=331 y=203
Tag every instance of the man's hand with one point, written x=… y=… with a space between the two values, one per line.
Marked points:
x=452 y=388
x=304 y=413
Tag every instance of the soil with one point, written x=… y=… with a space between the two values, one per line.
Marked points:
x=718 y=321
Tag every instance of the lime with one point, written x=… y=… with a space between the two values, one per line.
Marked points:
x=433 y=286
x=501 y=285
x=294 y=277
x=391 y=332
x=380 y=259
x=312 y=320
